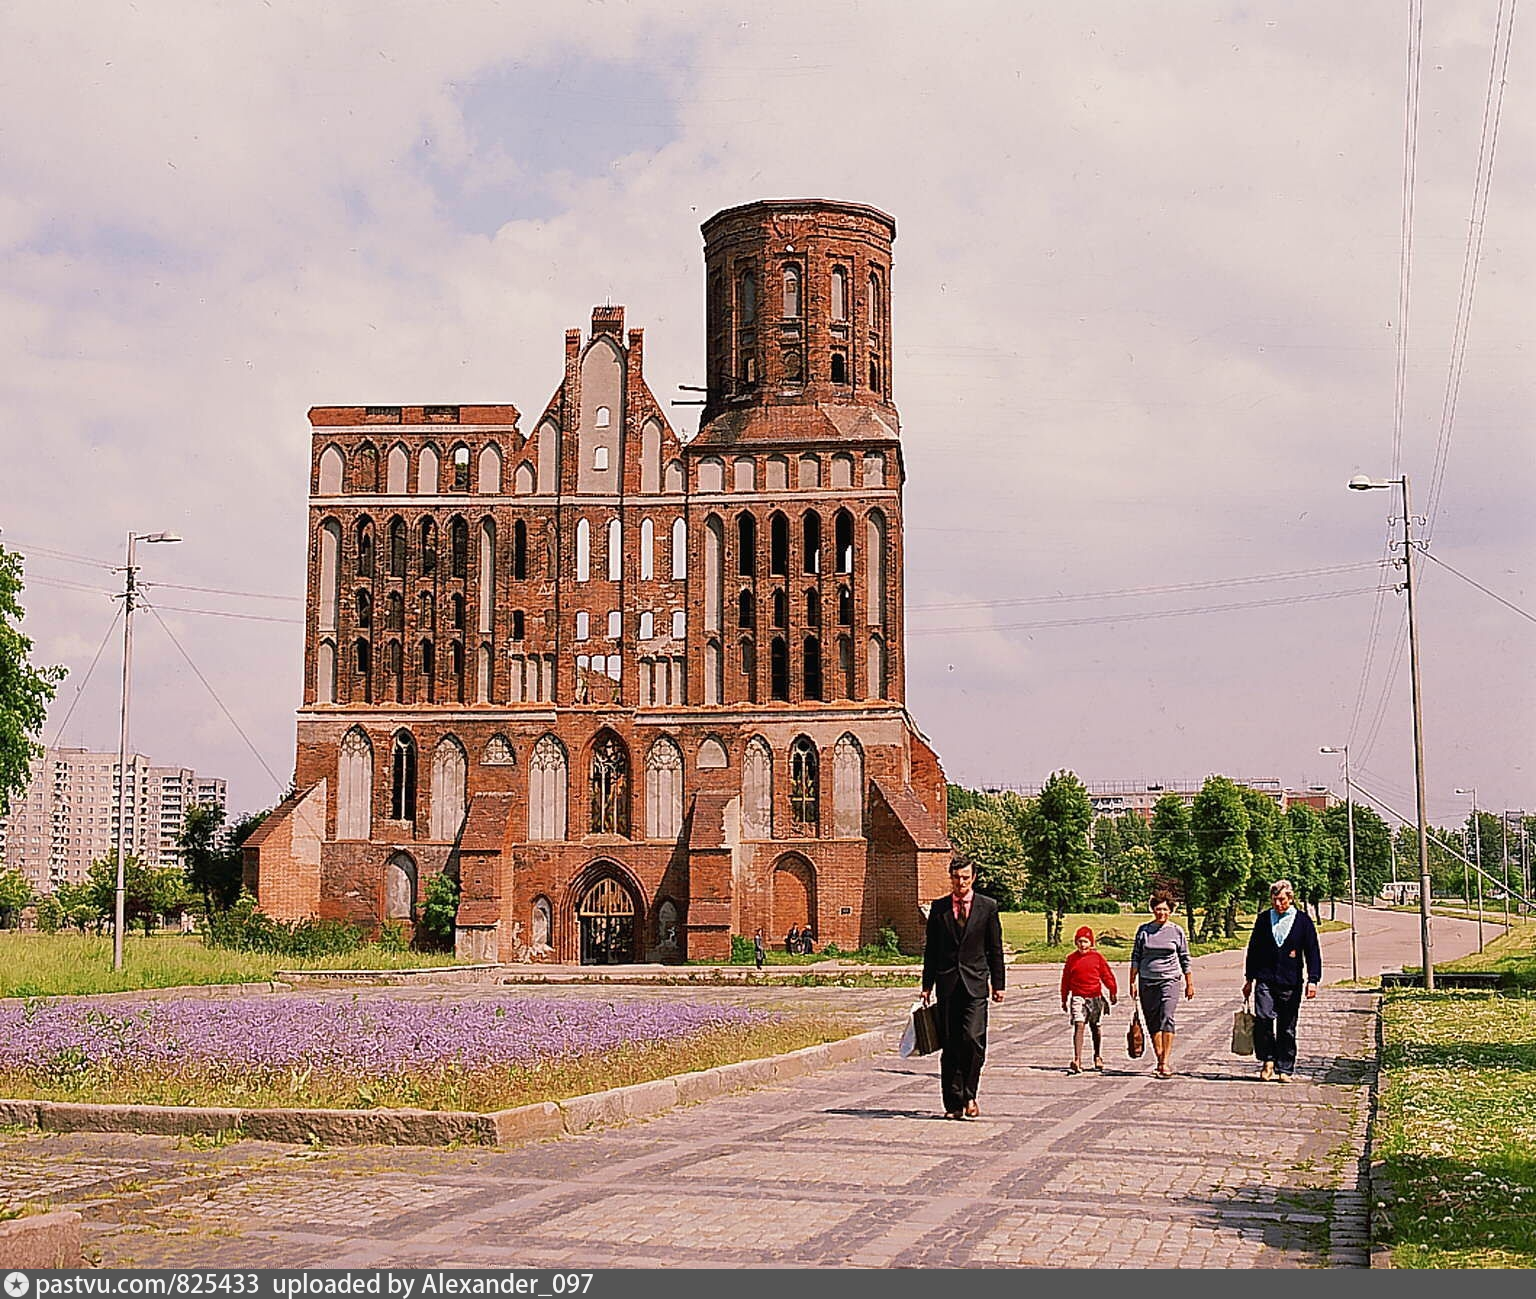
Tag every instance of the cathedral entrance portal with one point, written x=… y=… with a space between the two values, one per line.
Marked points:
x=606 y=914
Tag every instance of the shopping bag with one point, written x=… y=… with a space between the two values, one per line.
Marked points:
x=922 y=1033
x=1242 y=1029
x=1135 y=1038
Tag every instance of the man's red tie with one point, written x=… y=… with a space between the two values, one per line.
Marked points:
x=964 y=911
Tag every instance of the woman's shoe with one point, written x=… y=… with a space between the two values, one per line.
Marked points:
x=1098 y=1064
x=1074 y=1067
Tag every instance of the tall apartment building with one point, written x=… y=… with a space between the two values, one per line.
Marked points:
x=1116 y=797
x=640 y=694
x=68 y=816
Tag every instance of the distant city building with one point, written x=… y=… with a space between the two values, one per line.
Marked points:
x=1116 y=797
x=68 y=816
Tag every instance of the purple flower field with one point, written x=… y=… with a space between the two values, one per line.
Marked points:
x=373 y=1036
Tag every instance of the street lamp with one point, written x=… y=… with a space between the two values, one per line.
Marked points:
x=1477 y=865
x=1349 y=813
x=130 y=589
x=1360 y=483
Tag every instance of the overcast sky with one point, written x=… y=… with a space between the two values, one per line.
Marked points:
x=1145 y=313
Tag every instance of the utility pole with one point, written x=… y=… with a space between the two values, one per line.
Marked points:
x=130 y=590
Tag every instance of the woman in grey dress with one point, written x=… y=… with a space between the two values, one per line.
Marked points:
x=1159 y=966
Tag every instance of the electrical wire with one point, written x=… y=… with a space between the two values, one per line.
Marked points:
x=1529 y=617
x=63 y=583
x=1166 y=589
x=219 y=590
x=1143 y=616
x=48 y=552
x=214 y=693
x=1482 y=185
x=1405 y=233
x=226 y=613
x=80 y=689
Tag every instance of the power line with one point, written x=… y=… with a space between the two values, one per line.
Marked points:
x=1405 y=233
x=1482 y=185
x=63 y=583
x=80 y=689
x=209 y=688
x=225 y=613
x=1166 y=589
x=1530 y=617
x=48 y=552
x=219 y=590
x=1143 y=616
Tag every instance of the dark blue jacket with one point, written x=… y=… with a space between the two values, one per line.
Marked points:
x=1281 y=967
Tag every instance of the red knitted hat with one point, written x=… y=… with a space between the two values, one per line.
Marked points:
x=1084 y=932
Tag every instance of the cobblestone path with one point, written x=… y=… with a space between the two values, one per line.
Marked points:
x=853 y=1166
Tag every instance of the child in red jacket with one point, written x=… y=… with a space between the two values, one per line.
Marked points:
x=1084 y=979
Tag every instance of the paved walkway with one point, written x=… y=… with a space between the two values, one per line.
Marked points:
x=850 y=1167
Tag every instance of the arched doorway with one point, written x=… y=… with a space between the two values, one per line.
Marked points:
x=794 y=895
x=606 y=916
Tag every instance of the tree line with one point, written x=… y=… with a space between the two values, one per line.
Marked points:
x=1218 y=855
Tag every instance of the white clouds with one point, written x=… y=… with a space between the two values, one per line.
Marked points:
x=1145 y=299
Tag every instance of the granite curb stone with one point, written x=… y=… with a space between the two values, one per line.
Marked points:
x=42 y=1240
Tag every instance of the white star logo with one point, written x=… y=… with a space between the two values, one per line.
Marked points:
x=16 y=1284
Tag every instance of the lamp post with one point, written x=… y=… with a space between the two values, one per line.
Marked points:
x=1360 y=483
x=130 y=589
x=1477 y=864
x=1349 y=813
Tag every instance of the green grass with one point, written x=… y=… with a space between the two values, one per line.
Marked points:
x=1456 y=1128
x=450 y=1088
x=1513 y=955
x=47 y=965
x=1024 y=931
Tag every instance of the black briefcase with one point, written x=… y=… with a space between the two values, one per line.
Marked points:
x=925 y=1027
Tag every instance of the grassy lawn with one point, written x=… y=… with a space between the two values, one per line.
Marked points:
x=1024 y=931
x=1457 y=1123
x=44 y=965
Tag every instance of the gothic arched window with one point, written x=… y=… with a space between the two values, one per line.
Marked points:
x=402 y=795
x=610 y=787
x=791 y=290
x=811 y=668
x=397 y=545
x=546 y=791
x=778 y=545
x=458 y=532
x=428 y=545
x=804 y=785
x=746 y=610
x=778 y=667
x=664 y=790
x=365 y=547
x=746 y=544
x=848 y=789
x=757 y=790
x=839 y=293
x=519 y=551
x=810 y=550
x=354 y=786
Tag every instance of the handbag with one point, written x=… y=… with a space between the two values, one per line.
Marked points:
x=922 y=1032
x=1242 y=1029
x=1135 y=1038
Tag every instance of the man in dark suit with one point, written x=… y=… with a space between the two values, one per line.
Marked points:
x=1283 y=943
x=963 y=951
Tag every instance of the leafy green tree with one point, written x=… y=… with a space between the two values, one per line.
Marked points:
x=1373 y=846
x=961 y=799
x=1133 y=875
x=991 y=842
x=202 y=852
x=1219 y=822
x=147 y=892
x=1266 y=834
x=1133 y=830
x=1449 y=876
x=1305 y=864
x=25 y=691
x=1107 y=848
x=15 y=893
x=79 y=902
x=50 y=914
x=439 y=910
x=1173 y=849
x=1055 y=836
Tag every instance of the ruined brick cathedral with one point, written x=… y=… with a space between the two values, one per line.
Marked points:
x=638 y=694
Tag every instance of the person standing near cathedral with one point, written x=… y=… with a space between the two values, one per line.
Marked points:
x=962 y=954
